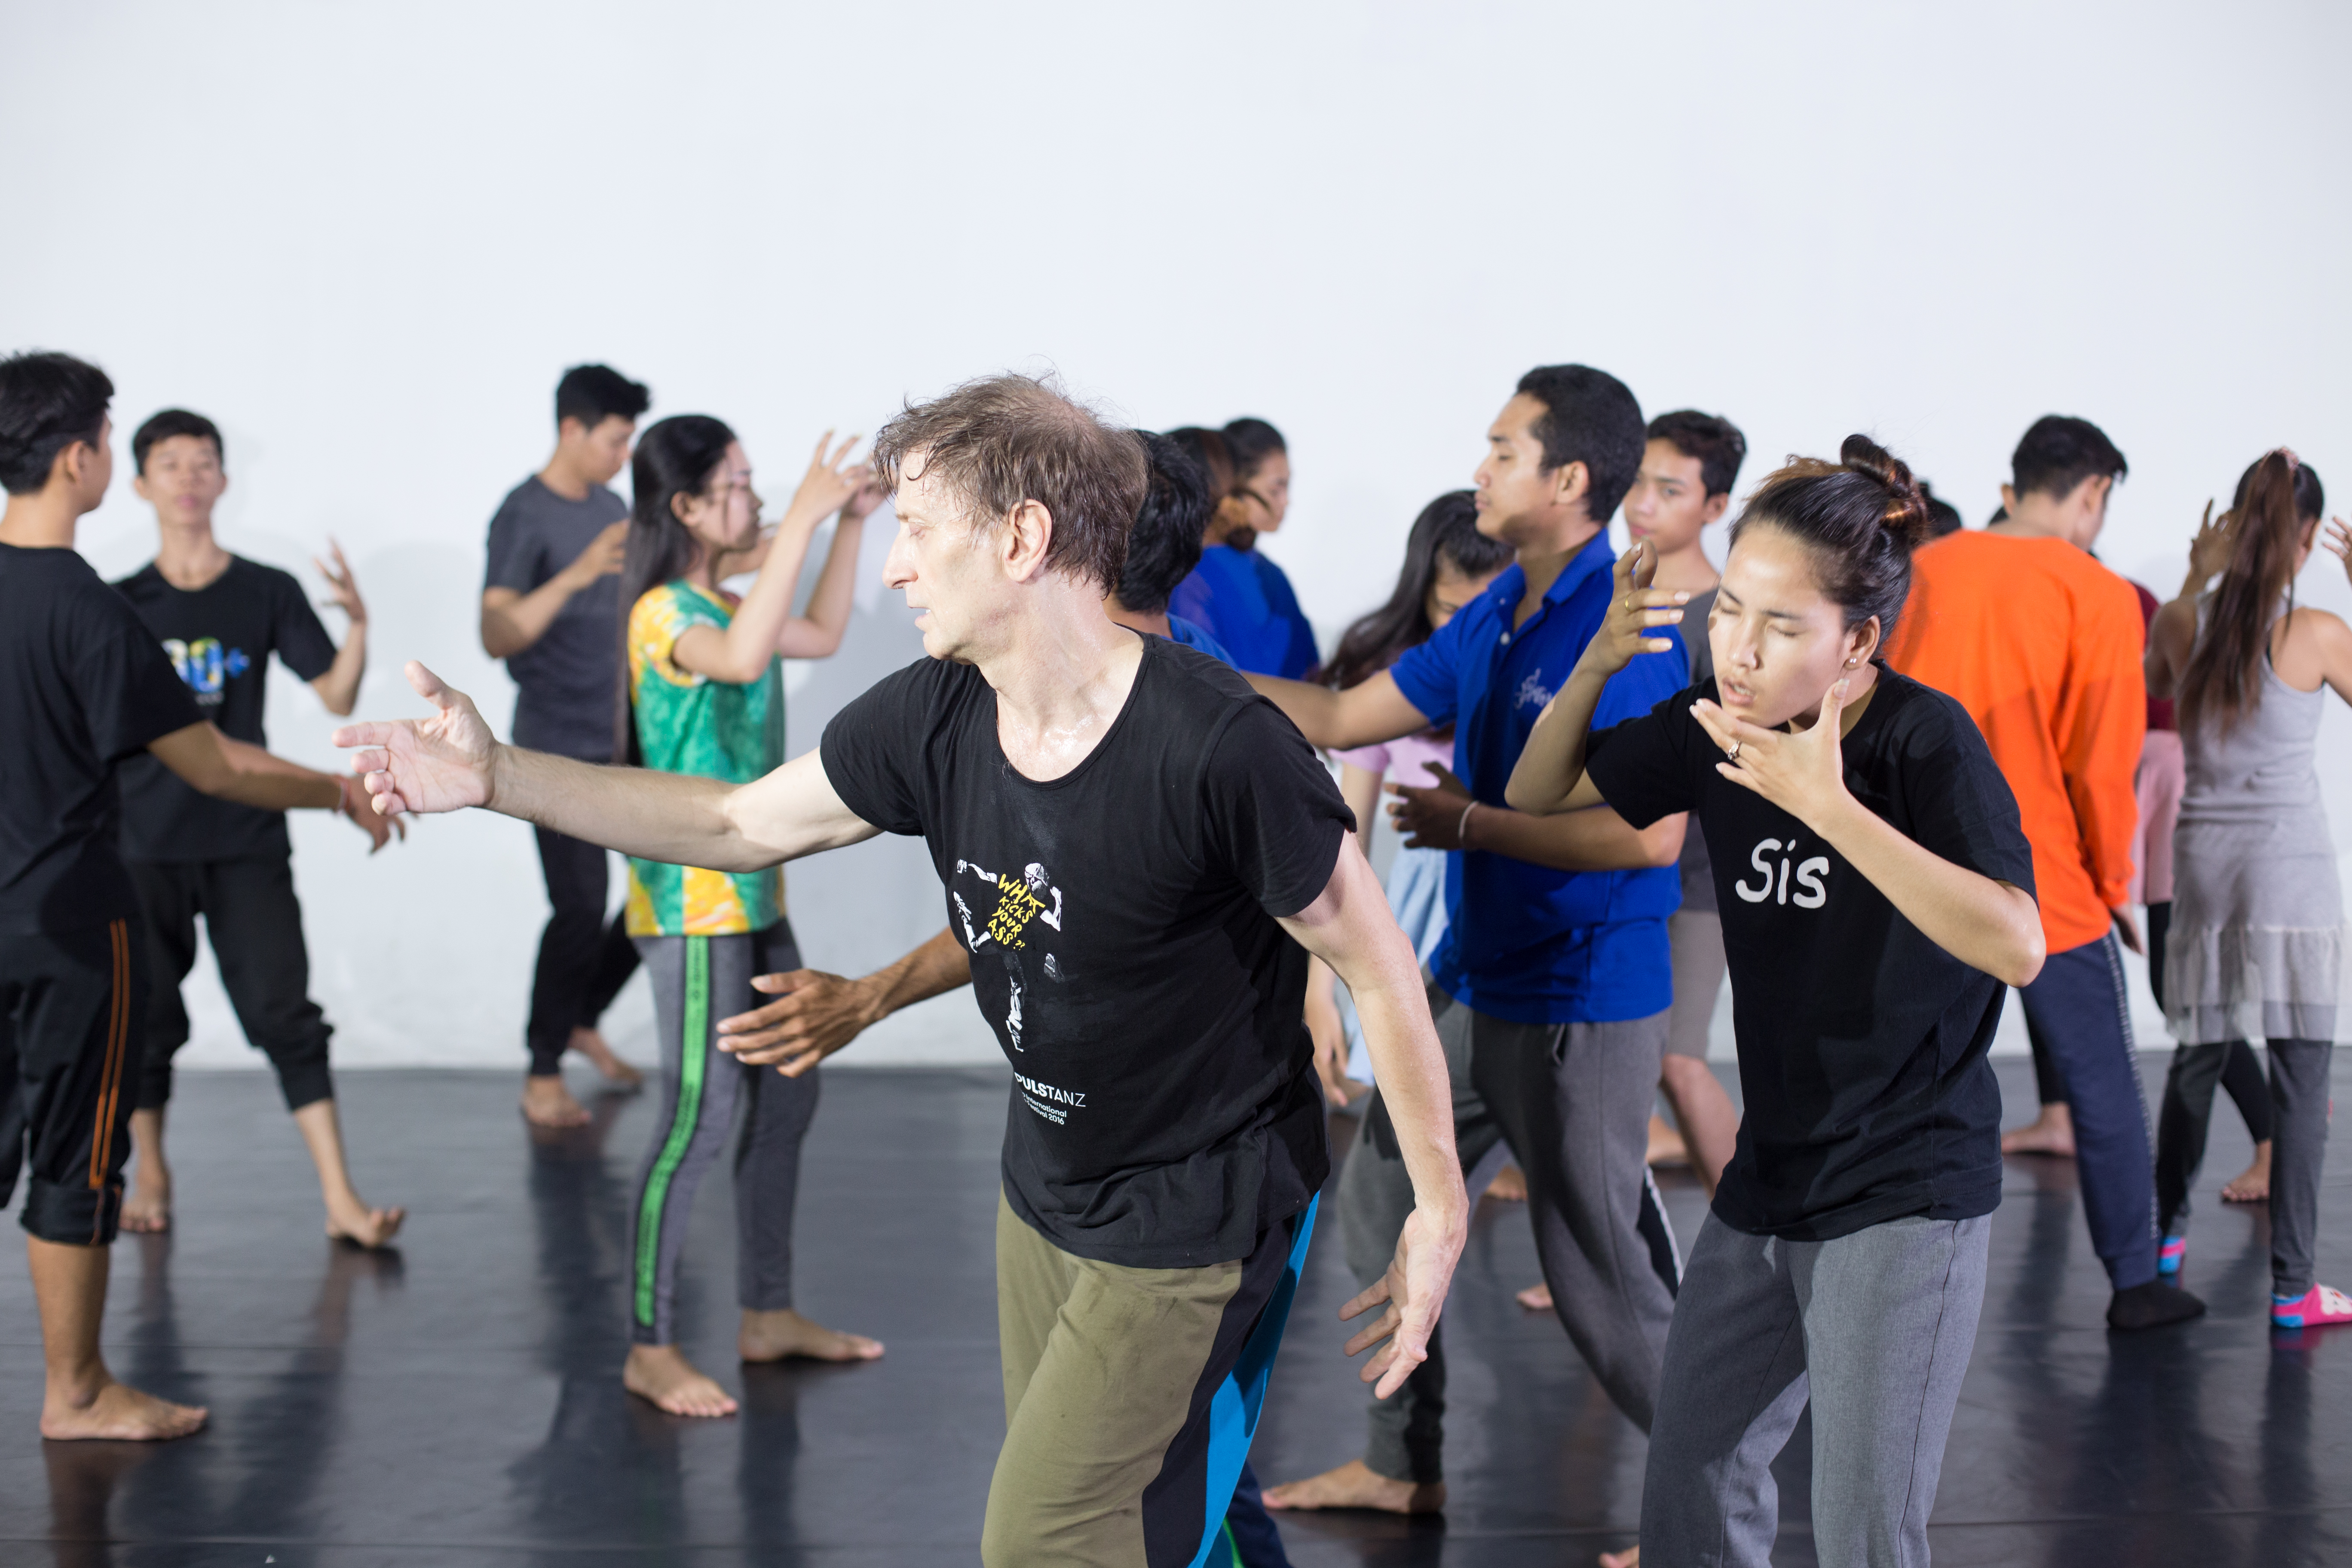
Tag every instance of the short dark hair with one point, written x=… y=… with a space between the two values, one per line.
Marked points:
x=593 y=394
x=1714 y=440
x=173 y=422
x=1007 y=439
x=1590 y=417
x=47 y=402
x=1164 y=545
x=1943 y=516
x=1252 y=441
x=2059 y=452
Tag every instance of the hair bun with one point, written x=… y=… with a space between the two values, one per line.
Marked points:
x=1908 y=516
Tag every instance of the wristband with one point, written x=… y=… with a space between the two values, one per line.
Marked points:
x=1462 y=828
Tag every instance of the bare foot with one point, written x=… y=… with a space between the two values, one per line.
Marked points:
x=547 y=1103
x=364 y=1227
x=662 y=1374
x=118 y=1412
x=2052 y=1133
x=1536 y=1298
x=1356 y=1485
x=147 y=1207
x=1509 y=1186
x=2252 y=1186
x=772 y=1336
x=1666 y=1146
x=618 y=1073
x=1629 y=1558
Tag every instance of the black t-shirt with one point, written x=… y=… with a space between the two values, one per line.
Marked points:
x=220 y=639
x=568 y=677
x=82 y=685
x=1861 y=1043
x=1122 y=921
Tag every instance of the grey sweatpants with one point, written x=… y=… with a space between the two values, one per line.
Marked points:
x=697 y=981
x=1573 y=1101
x=1874 y=1328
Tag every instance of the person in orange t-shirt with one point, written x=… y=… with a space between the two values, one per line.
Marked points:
x=2042 y=645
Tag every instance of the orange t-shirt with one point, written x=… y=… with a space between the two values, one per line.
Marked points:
x=2042 y=645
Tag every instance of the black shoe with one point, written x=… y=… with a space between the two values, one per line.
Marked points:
x=2152 y=1306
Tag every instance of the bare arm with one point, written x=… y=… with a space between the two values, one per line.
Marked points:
x=1549 y=776
x=339 y=689
x=1350 y=927
x=1363 y=715
x=512 y=621
x=214 y=764
x=764 y=624
x=450 y=761
x=1989 y=925
x=1360 y=788
x=816 y=1013
x=1593 y=839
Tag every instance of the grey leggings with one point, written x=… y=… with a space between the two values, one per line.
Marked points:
x=698 y=980
x=2299 y=1110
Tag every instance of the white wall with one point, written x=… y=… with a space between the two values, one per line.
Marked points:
x=366 y=242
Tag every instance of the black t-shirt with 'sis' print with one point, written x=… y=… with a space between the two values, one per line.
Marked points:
x=1122 y=926
x=1861 y=1043
x=219 y=637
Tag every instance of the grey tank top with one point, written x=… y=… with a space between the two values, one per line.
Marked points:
x=2263 y=769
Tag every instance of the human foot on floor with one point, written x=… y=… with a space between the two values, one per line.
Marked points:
x=774 y=1336
x=617 y=1072
x=1536 y=1298
x=354 y=1222
x=2315 y=1308
x=547 y=1103
x=1356 y=1485
x=2052 y=1133
x=116 y=1413
x=1509 y=1185
x=2250 y=1186
x=147 y=1207
x=662 y=1375
x=2154 y=1305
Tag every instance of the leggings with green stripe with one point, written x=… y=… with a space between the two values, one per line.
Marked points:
x=697 y=981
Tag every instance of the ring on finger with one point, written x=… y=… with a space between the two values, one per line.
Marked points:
x=1731 y=752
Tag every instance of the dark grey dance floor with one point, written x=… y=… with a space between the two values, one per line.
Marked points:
x=459 y=1403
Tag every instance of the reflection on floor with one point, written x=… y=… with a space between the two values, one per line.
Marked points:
x=459 y=1403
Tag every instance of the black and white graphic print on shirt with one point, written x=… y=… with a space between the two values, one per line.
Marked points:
x=1123 y=922
x=1861 y=1043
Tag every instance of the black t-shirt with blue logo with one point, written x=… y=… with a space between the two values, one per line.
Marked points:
x=1861 y=1043
x=219 y=637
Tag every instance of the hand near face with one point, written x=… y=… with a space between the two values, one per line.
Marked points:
x=1635 y=611
x=1803 y=774
x=830 y=483
x=2208 y=553
x=2337 y=542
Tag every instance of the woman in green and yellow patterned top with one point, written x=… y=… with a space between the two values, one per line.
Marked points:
x=703 y=694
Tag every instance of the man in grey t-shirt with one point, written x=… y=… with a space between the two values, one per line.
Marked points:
x=550 y=608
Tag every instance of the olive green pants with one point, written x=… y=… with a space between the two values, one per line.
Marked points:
x=1130 y=1396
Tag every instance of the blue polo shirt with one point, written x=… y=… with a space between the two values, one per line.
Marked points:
x=1244 y=601
x=1525 y=943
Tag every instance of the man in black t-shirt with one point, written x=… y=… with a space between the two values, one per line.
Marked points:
x=550 y=608
x=83 y=686
x=1137 y=855
x=219 y=618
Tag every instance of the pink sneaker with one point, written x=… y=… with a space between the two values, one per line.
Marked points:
x=2315 y=1308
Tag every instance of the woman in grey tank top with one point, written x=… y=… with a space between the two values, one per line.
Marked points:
x=2256 y=946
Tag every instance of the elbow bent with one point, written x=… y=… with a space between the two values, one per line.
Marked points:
x=2027 y=964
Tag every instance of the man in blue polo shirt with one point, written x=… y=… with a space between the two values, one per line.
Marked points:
x=1552 y=987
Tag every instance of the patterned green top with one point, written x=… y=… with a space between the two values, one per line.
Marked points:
x=688 y=724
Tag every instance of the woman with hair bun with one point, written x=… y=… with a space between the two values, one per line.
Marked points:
x=2256 y=943
x=1876 y=891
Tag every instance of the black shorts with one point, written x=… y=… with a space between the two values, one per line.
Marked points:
x=70 y=1006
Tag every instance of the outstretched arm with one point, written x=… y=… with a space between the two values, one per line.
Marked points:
x=450 y=761
x=1549 y=776
x=1350 y=927
x=1364 y=715
x=817 y=1014
x=211 y=763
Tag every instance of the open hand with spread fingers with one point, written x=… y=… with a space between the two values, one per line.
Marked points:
x=1636 y=611
x=1801 y=772
x=1413 y=1291
x=445 y=763
x=2337 y=542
